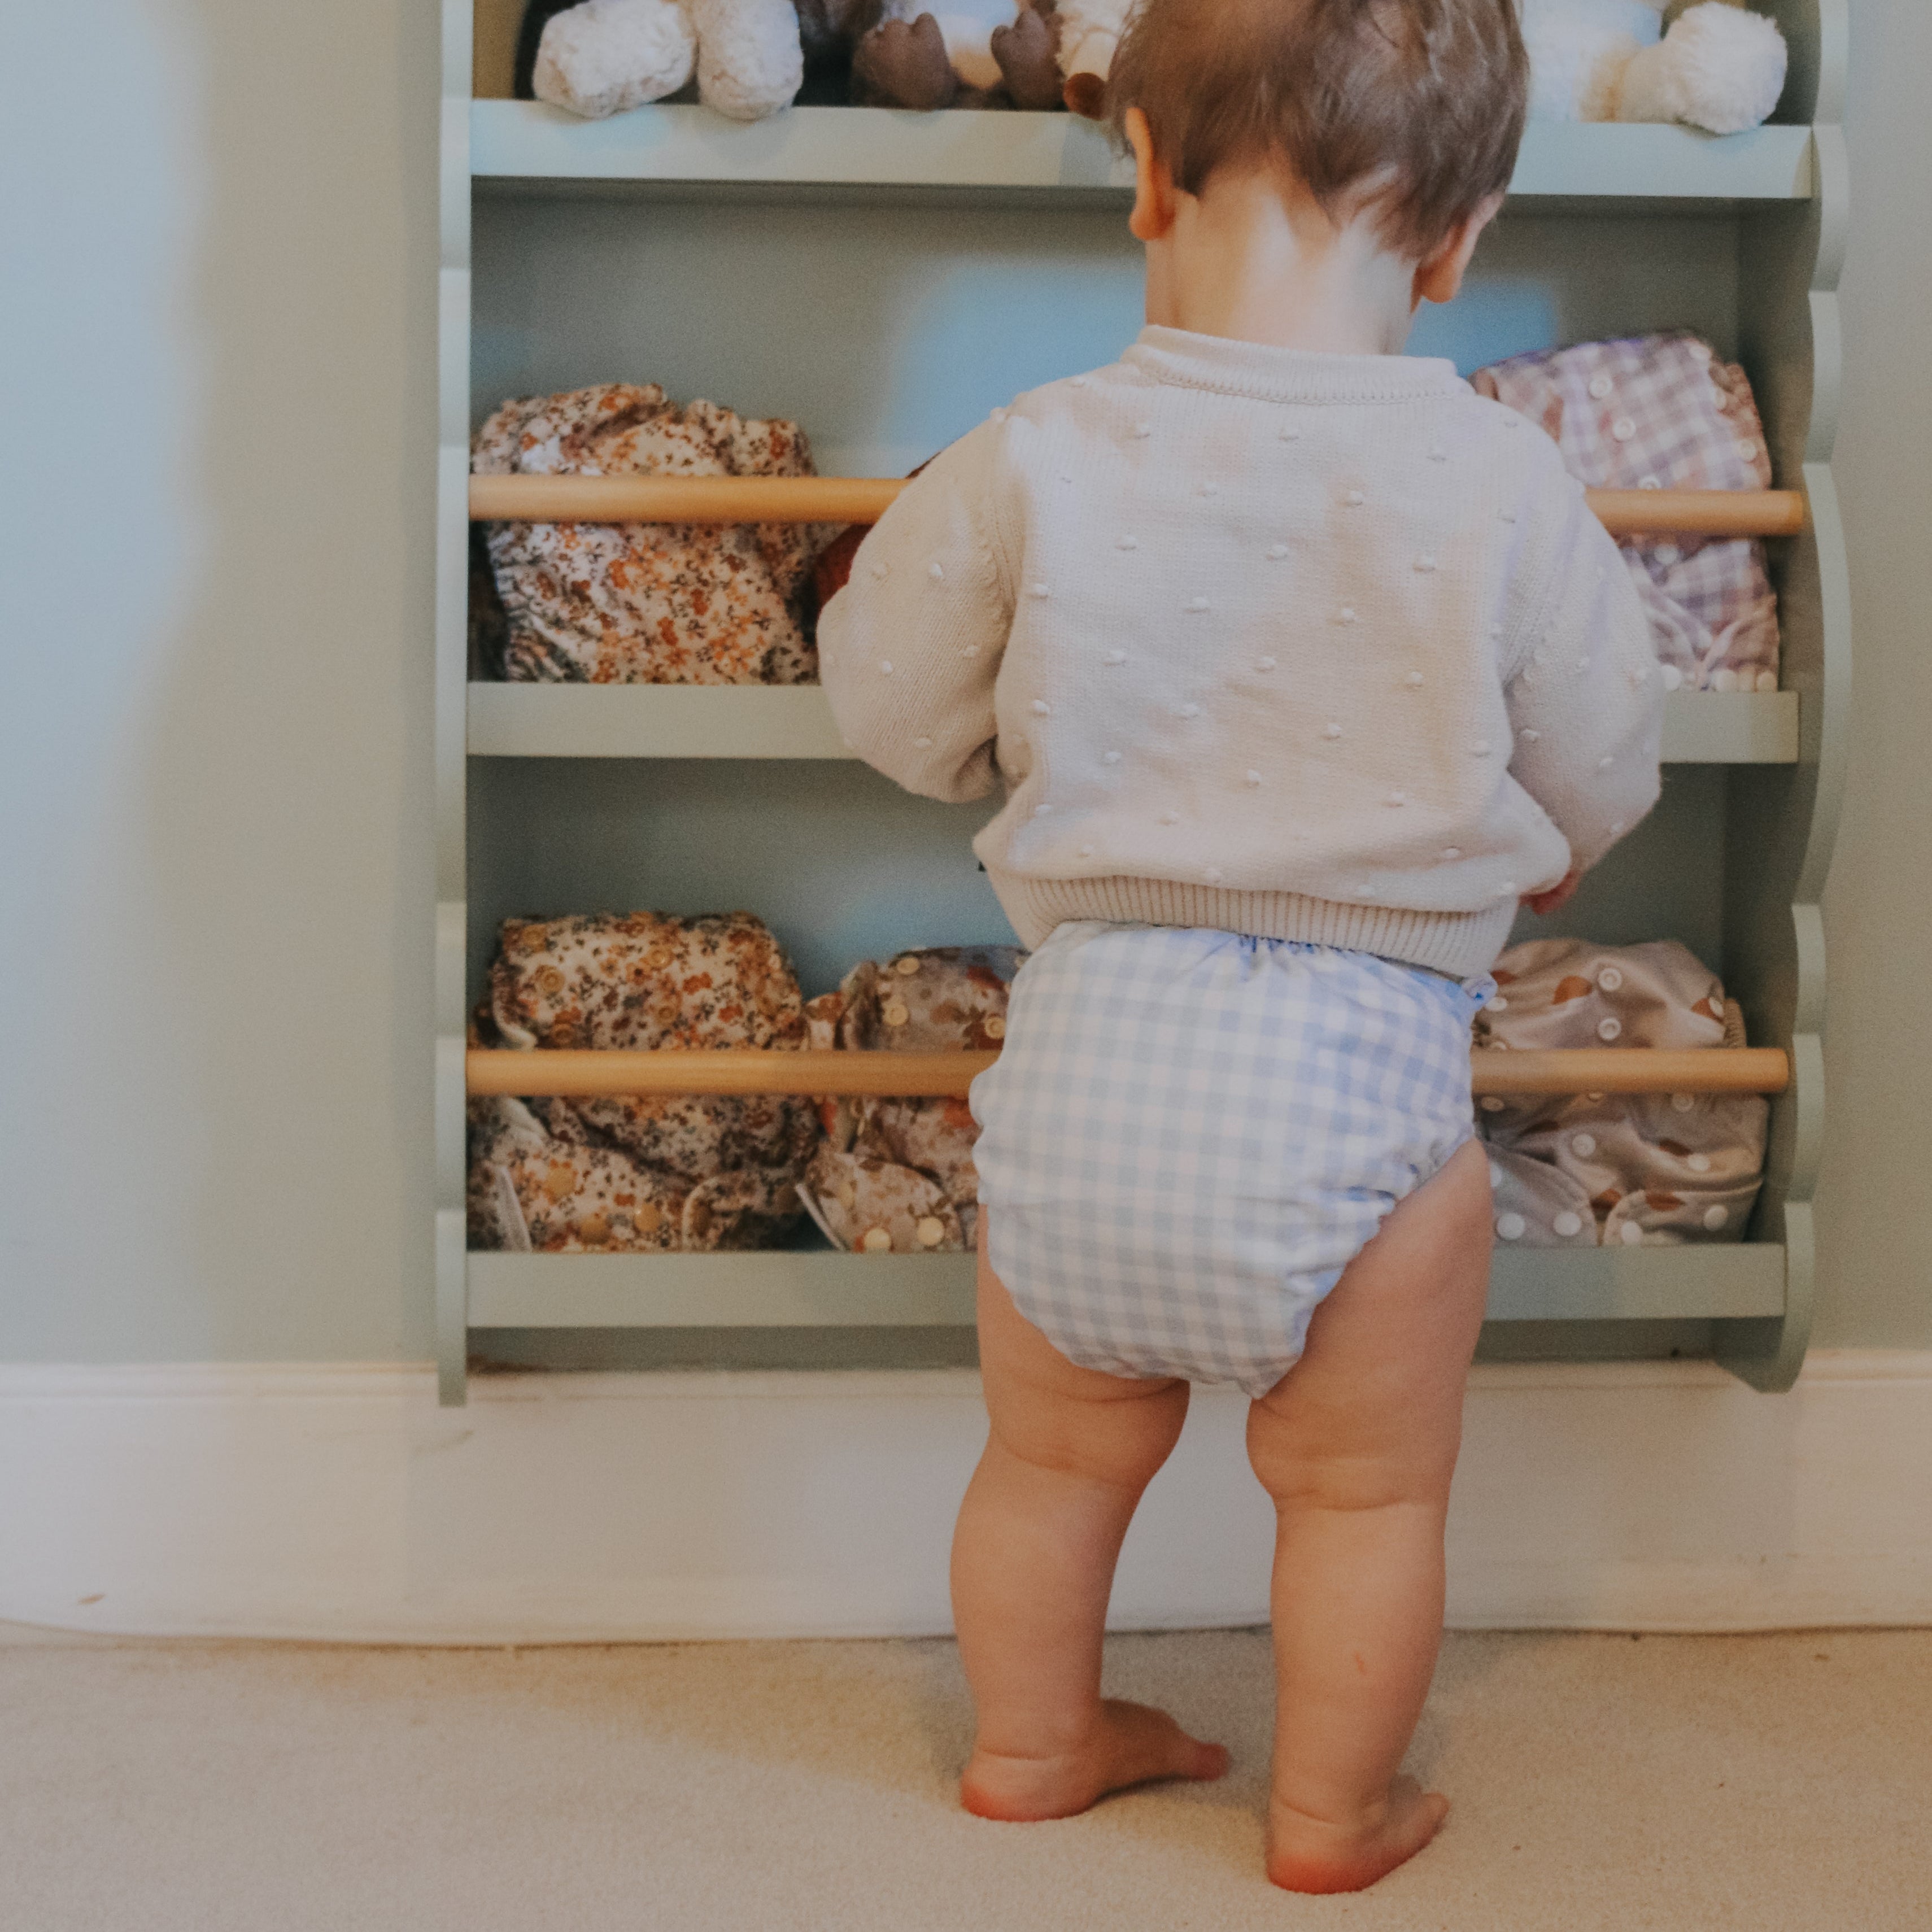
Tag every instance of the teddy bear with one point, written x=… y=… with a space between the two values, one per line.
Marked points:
x=751 y=58
x=1719 y=67
x=600 y=57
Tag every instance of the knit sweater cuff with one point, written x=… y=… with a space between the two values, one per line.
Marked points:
x=1460 y=944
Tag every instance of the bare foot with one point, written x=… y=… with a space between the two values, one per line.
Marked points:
x=1307 y=1854
x=1132 y=1744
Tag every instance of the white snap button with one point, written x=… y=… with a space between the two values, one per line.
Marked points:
x=930 y=1232
x=1623 y=429
x=1673 y=678
x=1610 y=979
x=1747 y=448
x=1495 y=1175
x=1568 y=1224
x=1767 y=680
x=906 y=965
x=1492 y=1103
x=1583 y=1145
x=1511 y=1227
x=1699 y=1163
x=1609 y=1026
x=1715 y=1217
x=1724 y=680
x=935 y=572
x=1452 y=852
x=1497 y=1004
x=994 y=1028
x=1600 y=386
x=1630 y=1234
x=1667 y=553
x=875 y=1241
x=895 y=1013
x=1683 y=1102
x=1650 y=483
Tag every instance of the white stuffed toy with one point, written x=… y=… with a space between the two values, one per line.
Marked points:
x=1719 y=67
x=607 y=55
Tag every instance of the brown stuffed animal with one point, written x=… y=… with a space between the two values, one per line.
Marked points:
x=982 y=53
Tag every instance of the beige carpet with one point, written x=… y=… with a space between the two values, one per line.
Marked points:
x=1765 y=1782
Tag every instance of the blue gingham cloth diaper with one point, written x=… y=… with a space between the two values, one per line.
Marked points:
x=1190 y=1133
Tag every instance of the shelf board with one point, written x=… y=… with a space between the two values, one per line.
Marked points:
x=802 y=1288
x=994 y=156
x=693 y=720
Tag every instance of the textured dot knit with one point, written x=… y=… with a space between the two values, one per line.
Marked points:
x=1316 y=647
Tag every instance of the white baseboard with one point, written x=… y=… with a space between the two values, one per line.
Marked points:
x=338 y=1501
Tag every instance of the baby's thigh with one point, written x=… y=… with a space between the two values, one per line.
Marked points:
x=1055 y=1414
x=1374 y=1404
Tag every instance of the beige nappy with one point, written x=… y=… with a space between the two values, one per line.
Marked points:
x=896 y=1176
x=1635 y=1169
x=656 y=1172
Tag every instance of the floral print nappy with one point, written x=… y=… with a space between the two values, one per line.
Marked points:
x=649 y=603
x=655 y=1172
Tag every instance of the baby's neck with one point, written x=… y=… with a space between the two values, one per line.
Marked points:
x=1242 y=262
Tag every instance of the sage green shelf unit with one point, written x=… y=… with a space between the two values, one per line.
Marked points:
x=887 y=278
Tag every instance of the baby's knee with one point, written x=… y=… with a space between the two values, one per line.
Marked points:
x=1120 y=1442
x=1303 y=1466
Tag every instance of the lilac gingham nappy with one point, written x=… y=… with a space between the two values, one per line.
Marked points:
x=1190 y=1133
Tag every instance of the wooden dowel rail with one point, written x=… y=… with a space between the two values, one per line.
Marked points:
x=862 y=499
x=609 y=1072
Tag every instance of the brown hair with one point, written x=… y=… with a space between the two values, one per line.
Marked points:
x=1413 y=106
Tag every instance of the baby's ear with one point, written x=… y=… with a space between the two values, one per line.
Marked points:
x=1153 y=217
x=1439 y=277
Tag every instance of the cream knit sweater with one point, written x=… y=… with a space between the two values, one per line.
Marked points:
x=1316 y=647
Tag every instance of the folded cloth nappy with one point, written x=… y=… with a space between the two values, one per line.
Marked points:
x=657 y=1171
x=1638 y=1169
x=650 y=603
x=896 y=1176
x=1663 y=412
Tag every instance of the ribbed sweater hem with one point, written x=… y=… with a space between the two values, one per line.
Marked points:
x=1461 y=944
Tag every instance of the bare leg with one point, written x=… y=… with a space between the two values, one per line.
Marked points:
x=1068 y=1453
x=1357 y=1444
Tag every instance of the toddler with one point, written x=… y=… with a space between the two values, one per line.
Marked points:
x=1301 y=665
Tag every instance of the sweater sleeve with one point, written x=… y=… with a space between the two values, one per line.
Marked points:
x=1585 y=696
x=909 y=649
